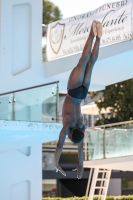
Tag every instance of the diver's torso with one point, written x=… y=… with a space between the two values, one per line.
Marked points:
x=71 y=112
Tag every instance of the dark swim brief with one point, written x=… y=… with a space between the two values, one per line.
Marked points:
x=79 y=92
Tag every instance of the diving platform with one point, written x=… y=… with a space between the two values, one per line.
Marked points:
x=124 y=163
x=107 y=147
x=28 y=118
x=21 y=157
x=20 y=134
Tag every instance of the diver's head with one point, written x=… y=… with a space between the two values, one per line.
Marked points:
x=76 y=135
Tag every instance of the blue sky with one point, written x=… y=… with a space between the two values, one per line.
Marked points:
x=75 y=7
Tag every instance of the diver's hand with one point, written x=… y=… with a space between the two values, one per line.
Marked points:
x=80 y=171
x=58 y=168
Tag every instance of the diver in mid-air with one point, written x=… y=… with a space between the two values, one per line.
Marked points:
x=78 y=85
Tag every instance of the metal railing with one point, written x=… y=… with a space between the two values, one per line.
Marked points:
x=108 y=141
x=38 y=103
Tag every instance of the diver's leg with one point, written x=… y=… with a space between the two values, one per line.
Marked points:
x=77 y=75
x=94 y=56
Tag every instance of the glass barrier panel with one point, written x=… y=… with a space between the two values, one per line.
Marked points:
x=38 y=104
x=95 y=144
x=6 y=107
x=119 y=142
x=127 y=183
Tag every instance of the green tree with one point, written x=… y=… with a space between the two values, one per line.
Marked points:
x=51 y=13
x=119 y=97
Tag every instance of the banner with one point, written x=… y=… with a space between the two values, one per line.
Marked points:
x=68 y=36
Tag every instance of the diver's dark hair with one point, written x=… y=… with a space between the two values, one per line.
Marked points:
x=77 y=135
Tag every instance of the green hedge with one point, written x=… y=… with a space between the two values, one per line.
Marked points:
x=129 y=197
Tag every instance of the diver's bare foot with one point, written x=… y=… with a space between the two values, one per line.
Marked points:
x=99 y=29
x=94 y=27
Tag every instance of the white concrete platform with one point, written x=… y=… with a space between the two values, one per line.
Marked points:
x=18 y=134
x=21 y=157
x=124 y=163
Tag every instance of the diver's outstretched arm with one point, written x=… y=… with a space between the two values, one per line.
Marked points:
x=80 y=168
x=63 y=133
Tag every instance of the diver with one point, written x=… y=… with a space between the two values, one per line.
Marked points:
x=78 y=85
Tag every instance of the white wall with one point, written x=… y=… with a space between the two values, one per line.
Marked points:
x=115 y=188
x=20 y=44
x=21 y=174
